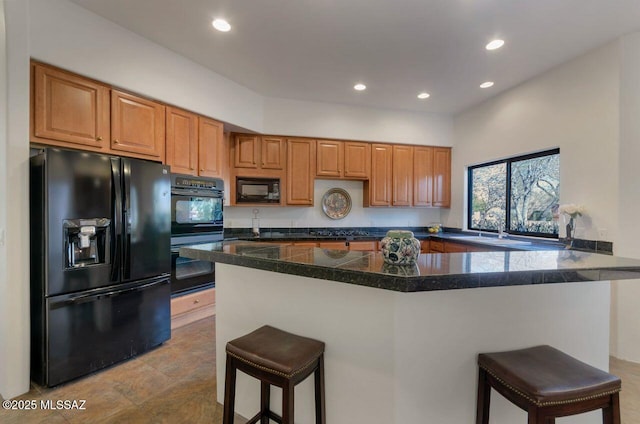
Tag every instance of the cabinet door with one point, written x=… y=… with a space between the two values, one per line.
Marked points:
x=137 y=125
x=452 y=247
x=422 y=176
x=380 y=183
x=357 y=160
x=182 y=141
x=402 y=175
x=368 y=246
x=329 y=158
x=424 y=246
x=211 y=149
x=301 y=164
x=334 y=245
x=246 y=151
x=70 y=109
x=442 y=177
x=273 y=153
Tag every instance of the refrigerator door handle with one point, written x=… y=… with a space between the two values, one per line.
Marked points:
x=126 y=242
x=91 y=297
x=116 y=258
x=136 y=289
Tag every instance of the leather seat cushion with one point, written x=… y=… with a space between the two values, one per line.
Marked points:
x=276 y=351
x=546 y=376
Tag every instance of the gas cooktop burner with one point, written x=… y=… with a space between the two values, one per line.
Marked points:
x=338 y=233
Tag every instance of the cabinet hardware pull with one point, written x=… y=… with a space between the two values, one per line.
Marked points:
x=116 y=141
x=99 y=138
x=196 y=301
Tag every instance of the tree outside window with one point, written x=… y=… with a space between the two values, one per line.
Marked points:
x=518 y=194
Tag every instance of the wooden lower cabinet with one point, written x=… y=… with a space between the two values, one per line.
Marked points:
x=436 y=246
x=306 y=243
x=452 y=247
x=369 y=246
x=192 y=307
x=424 y=246
x=335 y=245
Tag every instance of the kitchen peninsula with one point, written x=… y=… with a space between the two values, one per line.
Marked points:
x=402 y=341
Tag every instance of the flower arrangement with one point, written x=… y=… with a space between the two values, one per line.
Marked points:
x=572 y=210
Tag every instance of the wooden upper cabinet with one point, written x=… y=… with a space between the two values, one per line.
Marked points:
x=301 y=164
x=422 y=176
x=137 y=125
x=330 y=158
x=357 y=160
x=273 y=153
x=212 y=151
x=402 y=175
x=246 y=151
x=69 y=109
x=378 y=190
x=258 y=153
x=182 y=141
x=442 y=176
x=343 y=159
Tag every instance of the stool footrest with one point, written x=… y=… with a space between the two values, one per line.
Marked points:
x=272 y=416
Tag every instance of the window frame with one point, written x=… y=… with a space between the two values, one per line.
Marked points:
x=508 y=162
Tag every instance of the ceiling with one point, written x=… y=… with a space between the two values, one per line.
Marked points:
x=318 y=49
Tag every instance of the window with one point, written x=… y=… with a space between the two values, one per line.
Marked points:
x=518 y=194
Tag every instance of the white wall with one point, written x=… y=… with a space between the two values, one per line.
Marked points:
x=14 y=189
x=588 y=107
x=625 y=332
x=573 y=106
x=75 y=39
x=315 y=119
x=297 y=217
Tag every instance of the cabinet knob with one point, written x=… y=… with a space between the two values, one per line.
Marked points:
x=196 y=301
x=201 y=169
x=99 y=138
x=116 y=141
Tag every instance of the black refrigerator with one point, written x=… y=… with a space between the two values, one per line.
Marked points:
x=100 y=261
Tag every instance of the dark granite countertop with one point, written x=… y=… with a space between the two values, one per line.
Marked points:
x=434 y=271
x=510 y=243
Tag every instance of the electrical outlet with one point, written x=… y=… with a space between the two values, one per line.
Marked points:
x=602 y=234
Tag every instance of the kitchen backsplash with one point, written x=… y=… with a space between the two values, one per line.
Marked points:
x=304 y=217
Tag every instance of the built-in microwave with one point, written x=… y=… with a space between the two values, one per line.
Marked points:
x=257 y=190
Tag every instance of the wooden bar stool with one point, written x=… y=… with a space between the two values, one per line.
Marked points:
x=277 y=358
x=546 y=383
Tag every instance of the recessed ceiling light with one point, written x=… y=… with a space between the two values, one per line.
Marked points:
x=495 y=44
x=486 y=84
x=221 y=25
x=360 y=87
x=423 y=96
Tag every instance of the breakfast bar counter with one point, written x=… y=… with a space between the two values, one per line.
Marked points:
x=402 y=342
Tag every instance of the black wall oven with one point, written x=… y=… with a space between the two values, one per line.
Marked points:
x=196 y=217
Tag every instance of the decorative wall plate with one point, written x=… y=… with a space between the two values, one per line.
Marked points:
x=336 y=203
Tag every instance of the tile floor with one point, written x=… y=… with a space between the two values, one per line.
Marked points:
x=176 y=383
